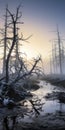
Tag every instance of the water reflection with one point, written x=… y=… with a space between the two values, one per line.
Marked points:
x=50 y=106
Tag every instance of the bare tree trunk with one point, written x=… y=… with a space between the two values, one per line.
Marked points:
x=5 y=40
x=10 y=51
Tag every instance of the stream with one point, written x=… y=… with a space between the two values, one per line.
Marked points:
x=49 y=106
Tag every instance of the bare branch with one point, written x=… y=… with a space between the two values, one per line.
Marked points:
x=17 y=13
x=12 y=16
x=26 y=74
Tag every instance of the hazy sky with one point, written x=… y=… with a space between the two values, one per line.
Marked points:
x=40 y=19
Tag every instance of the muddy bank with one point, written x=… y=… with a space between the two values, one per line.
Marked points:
x=55 y=82
x=31 y=86
x=58 y=83
x=55 y=79
x=56 y=96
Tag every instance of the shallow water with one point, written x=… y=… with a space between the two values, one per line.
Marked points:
x=49 y=106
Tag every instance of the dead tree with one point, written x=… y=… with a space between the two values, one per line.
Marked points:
x=14 y=22
x=13 y=40
x=5 y=42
